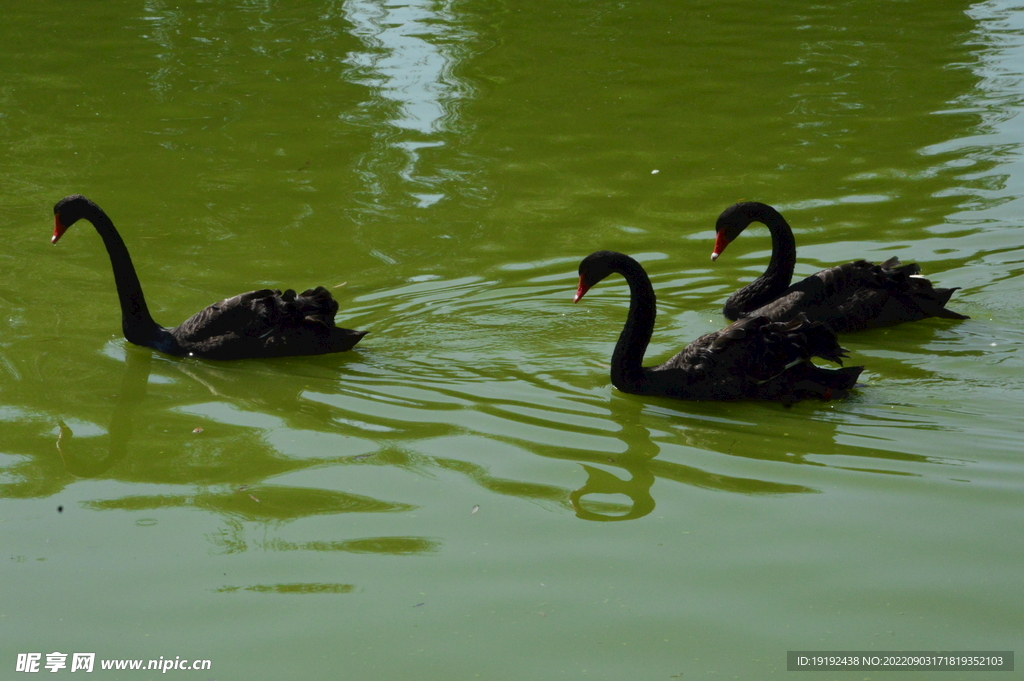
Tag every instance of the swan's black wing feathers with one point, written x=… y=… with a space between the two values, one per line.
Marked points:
x=862 y=295
x=266 y=323
x=756 y=358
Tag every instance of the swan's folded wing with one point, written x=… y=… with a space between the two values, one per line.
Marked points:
x=758 y=348
x=260 y=313
x=760 y=359
x=862 y=295
x=267 y=323
x=244 y=314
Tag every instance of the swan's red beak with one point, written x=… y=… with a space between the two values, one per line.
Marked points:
x=58 y=229
x=580 y=291
x=721 y=241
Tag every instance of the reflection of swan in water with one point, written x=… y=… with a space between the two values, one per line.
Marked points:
x=229 y=487
x=411 y=51
x=637 y=488
x=636 y=460
x=122 y=420
x=641 y=462
x=539 y=420
x=233 y=488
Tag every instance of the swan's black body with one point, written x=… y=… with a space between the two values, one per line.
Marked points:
x=851 y=297
x=753 y=358
x=264 y=323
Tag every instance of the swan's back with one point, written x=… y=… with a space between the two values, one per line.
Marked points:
x=862 y=295
x=266 y=323
x=756 y=358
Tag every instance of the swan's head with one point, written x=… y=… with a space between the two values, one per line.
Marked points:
x=735 y=219
x=596 y=267
x=70 y=210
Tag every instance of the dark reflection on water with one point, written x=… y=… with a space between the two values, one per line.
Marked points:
x=301 y=588
x=234 y=538
x=637 y=488
x=167 y=450
x=128 y=455
x=397 y=546
x=85 y=464
x=258 y=503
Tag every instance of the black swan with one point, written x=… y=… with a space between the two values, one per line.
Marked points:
x=264 y=323
x=851 y=297
x=753 y=358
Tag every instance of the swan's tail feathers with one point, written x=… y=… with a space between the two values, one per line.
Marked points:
x=345 y=339
x=841 y=379
x=825 y=384
x=928 y=299
x=932 y=301
x=936 y=305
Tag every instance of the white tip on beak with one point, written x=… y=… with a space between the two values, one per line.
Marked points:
x=714 y=256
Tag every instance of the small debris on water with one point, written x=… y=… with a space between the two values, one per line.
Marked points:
x=254 y=498
x=198 y=430
x=655 y=172
x=475 y=509
x=60 y=509
x=339 y=285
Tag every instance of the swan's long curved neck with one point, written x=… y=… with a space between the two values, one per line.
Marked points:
x=780 y=267
x=136 y=322
x=627 y=372
x=779 y=273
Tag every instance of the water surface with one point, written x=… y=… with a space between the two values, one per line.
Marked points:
x=464 y=495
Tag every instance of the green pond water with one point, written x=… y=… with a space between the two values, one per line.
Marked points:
x=464 y=495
